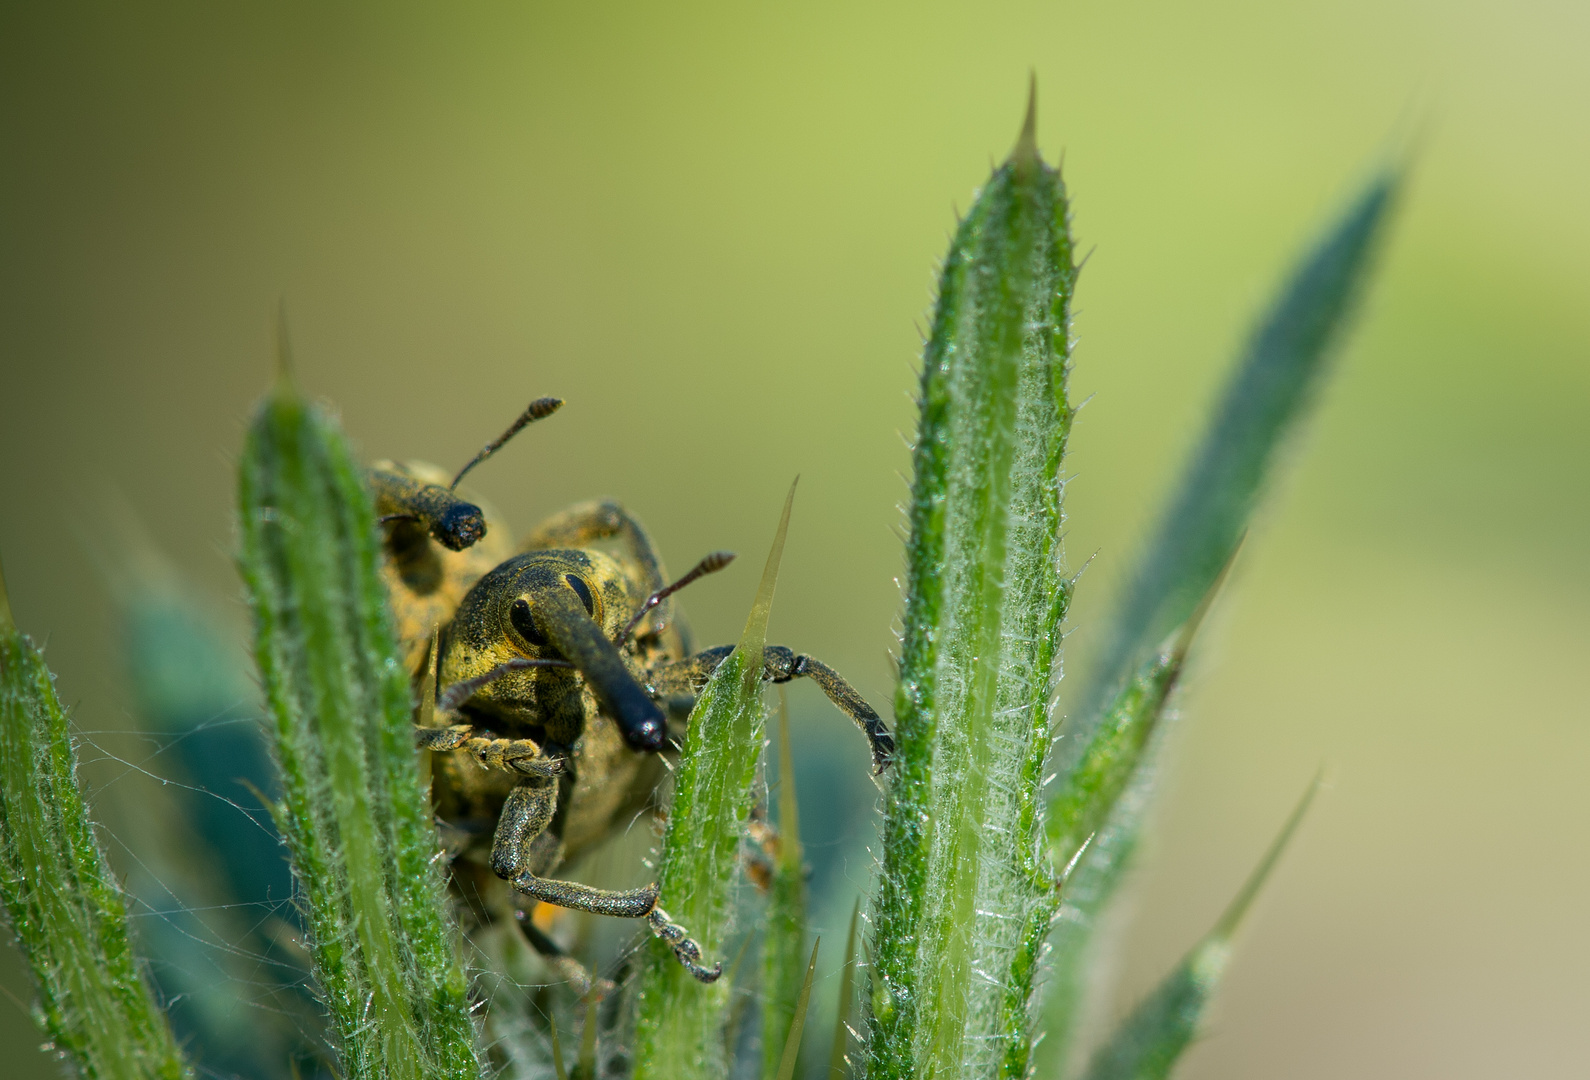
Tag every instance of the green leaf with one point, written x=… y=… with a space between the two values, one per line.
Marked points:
x=784 y=938
x=1279 y=375
x=680 y=1022
x=355 y=813
x=1148 y=1042
x=965 y=895
x=1103 y=766
x=64 y=906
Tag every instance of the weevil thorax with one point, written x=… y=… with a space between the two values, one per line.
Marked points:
x=528 y=607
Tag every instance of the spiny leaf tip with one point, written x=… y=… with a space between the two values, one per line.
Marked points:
x=1181 y=638
x=1026 y=151
x=6 y=621
x=285 y=387
x=1239 y=905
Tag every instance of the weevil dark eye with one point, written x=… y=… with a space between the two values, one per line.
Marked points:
x=582 y=590
x=525 y=623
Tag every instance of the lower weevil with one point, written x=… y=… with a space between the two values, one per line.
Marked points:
x=551 y=679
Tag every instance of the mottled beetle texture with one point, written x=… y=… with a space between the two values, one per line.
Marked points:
x=552 y=678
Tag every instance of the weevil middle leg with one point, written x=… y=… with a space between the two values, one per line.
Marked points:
x=779 y=664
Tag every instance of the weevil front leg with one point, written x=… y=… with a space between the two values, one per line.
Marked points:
x=522 y=850
x=779 y=665
x=523 y=756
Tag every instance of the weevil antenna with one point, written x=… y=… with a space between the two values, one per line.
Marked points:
x=539 y=409
x=455 y=695
x=710 y=565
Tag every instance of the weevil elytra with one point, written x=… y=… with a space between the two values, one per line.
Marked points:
x=552 y=677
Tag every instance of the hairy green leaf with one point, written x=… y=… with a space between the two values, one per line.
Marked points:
x=966 y=894
x=355 y=814
x=1278 y=376
x=64 y=906
x=1101 y=791
x=1092 y=826
x=680 y=1022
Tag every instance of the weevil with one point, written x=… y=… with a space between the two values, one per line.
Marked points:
x=552 y=680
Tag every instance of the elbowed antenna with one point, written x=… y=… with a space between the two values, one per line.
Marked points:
x=539 y=409
x=714 y=562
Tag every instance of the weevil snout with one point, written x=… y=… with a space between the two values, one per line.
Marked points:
x=549 y=605
x=562 y=617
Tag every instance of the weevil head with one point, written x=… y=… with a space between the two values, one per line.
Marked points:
x=558 y=606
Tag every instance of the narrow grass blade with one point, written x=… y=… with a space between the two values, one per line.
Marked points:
x=792 y=1041
x=965 y=893
x=679 y=1022
x=557 y=1051
x=1285 y=364
x=356 y=817
x=585 y=1067
x=847 y=998
x=784 y=939
x=64 y=906
x=1092 y=825
x=1148 y=1042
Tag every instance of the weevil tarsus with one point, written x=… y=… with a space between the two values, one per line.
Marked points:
x=686 y=951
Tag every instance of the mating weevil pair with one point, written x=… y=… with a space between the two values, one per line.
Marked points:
x=551 y=679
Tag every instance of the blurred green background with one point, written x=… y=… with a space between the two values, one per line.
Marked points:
x=712 y=229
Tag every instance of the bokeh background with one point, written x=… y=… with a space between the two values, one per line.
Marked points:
x=712 y=229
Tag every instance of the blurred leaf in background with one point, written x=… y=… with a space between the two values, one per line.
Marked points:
x=215 y=894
